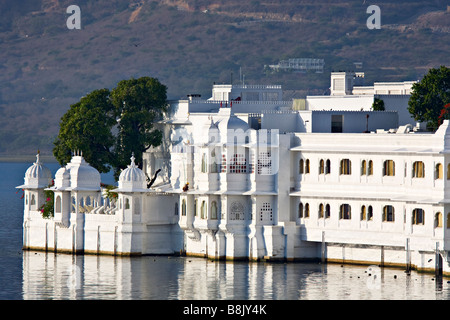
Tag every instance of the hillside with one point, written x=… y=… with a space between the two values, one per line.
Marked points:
x=189 y=44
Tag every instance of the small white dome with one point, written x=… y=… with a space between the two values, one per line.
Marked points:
x=82 y=175
x=38 y=175
x=132 y=178
x=62 y=178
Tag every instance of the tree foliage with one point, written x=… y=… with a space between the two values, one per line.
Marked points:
x=430 y=95
x=138 y=104
x=108 y=126
x=378 y=104
x=86 y=127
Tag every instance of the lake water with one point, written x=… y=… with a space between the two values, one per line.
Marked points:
x=39 y=275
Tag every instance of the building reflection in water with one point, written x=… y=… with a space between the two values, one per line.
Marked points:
x=60 y=276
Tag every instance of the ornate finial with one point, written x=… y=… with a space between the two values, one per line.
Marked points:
x=37 y=156
x=132 y=159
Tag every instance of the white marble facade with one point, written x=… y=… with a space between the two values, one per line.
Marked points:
x=233 y=186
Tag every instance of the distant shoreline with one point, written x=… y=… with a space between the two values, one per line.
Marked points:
x=27 y=158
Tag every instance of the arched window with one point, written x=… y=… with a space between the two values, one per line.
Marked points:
x=300 y=210
x=363 y=168
x=418 y=169
x=306 y=215
x=214 y=165
x=204 y=164
x=307 y=166
x=237 y=211
x=73 y=204
x=389 y=168
x=58 y=204
x=369 y=213
x=346 y=167
x=321 y=166
x=183 y=207
x=176 y=209
x=321 y=210
x=301 y=166
x=418 y=216
x=33 y=202
x=363 y=213
x=439 y=174
x=345 y=212
x=327 y=211
x=388 y=213
x=448 y=171
x=448 y=220
x=213 y=214
x=370 y=168
x=195 y=207
x=127 y=203
x=438 y=220
x=328 y=167
x=203 y=210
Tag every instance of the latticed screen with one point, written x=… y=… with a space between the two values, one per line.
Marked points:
x=264 y=163
x=238 y=164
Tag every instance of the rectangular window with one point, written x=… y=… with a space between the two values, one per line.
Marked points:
x=418 y=216
x=346 y=167
x=418 y=169
x=388 y=213
x=337 y=122
x=389 y=168
x=345 y=212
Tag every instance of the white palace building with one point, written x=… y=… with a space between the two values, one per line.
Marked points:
x=245 y=175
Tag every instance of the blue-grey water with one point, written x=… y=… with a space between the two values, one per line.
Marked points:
x=39 y=275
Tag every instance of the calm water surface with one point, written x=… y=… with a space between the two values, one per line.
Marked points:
x=39 y=275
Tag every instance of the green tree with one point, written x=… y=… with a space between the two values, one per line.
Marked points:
x=430 y=95
x=378 y=104
x=86 y=127
x=129 y=110
x=138 y=104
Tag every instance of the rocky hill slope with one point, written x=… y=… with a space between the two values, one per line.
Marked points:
x=189 y=44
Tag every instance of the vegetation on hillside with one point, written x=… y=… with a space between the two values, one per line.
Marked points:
x=189 y=44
